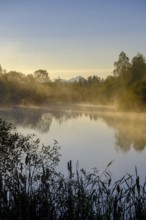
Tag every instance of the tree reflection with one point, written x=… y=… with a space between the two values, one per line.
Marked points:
x=44 y=122
x=129 y=128
x=122 y=141
x=37 y=119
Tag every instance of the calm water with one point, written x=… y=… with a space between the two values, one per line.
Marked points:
x=92 y=136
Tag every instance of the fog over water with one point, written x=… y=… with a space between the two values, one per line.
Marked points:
x=94 y=136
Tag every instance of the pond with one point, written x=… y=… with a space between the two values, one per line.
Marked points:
x=90 y=136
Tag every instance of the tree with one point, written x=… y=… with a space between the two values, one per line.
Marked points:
x=139 y=89
x=138 y=67
x=25 y=172
x=14 y=76
x=2 y=71
x=122 y=65
x=93 y=80
x=41 y=76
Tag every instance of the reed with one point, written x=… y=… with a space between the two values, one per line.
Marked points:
x=31 y=188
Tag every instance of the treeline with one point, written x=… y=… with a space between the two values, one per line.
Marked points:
x=126 y=87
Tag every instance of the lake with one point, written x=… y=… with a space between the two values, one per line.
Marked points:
x=88 y=135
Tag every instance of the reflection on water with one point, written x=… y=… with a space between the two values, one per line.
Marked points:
x=129 y=128
x=37 y=119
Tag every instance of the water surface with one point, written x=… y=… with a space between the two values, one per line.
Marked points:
x=92 y=136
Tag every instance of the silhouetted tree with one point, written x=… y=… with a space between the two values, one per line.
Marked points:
x=138 y=67
x=139 y=89
x=42 y=76
x=122 y=65
x=14 y=76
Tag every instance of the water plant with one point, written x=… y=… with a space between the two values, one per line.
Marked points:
x=31 y=187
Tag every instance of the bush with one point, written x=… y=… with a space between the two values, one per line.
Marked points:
x=31 y=188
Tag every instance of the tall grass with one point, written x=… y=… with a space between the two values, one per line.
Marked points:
x=31 y=188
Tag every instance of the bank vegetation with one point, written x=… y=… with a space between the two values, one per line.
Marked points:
x=126 y=87
x=31 y=188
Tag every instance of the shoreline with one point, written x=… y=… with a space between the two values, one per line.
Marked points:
x=101 y=110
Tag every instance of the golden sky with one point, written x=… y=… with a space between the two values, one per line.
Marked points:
x=70 y=38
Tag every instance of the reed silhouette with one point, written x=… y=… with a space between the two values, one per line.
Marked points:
x=31 y=187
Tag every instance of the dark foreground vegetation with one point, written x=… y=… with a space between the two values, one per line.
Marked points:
x=126 y=87
x=31 y=188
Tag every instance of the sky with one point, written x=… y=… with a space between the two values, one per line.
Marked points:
x=70 y=37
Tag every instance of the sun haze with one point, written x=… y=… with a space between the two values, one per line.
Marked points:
x=68 y=38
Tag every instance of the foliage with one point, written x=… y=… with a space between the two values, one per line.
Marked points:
x=27 y=174
x=138 y=68
x=41 y=76
x=122 y=65
x=120 y=88
x=31 y=188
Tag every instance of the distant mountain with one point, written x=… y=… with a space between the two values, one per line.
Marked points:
x=72 y=80
x=75 y=79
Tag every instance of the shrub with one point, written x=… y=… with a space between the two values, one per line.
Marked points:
x=31 y=188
